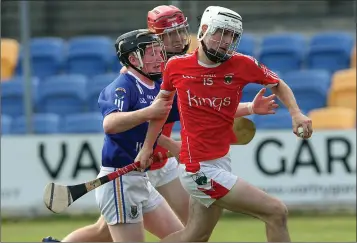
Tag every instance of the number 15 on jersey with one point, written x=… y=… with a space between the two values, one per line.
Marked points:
x=207 y=81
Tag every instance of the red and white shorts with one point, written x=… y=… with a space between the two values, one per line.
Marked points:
x=212 y=182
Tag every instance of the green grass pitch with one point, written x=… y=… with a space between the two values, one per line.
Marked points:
x=237 y=228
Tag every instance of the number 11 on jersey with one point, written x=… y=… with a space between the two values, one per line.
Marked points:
x=138 y=146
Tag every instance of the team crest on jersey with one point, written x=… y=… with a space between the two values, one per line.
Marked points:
x=120 y=93
x=228 y=78
x=134 y=212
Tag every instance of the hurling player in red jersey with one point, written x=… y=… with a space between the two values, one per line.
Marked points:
x=170 y=24
x=209 y=85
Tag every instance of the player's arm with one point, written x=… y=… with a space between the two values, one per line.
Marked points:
x=170 y=144
x=117 y=122
x=166 y=95
x=244 y=109
x=261 y=105
x=115 y=104
x=286 y=95
x=262 y=75
x=156 y=124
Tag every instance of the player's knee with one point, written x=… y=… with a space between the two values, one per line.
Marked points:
x=279 y=213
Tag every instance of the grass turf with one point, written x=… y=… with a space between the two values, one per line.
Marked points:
x=302 y=229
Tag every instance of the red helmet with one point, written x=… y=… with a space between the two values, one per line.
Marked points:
x=171 y=25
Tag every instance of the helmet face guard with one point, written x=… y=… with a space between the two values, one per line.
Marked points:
x=157 y=57
x=222 y=34
x=170 y=24
x=220 y=41
x=176 y=39
x=147 y=48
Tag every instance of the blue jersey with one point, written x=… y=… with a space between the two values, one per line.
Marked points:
x=126 y=93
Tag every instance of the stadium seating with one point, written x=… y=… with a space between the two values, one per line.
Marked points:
x=90 y=55
x=62 y=94
x=176 y=127
x=310 y=87
x=343 y=90
x=330 y=50
x=333 y=118
x=280 y=120
x=9 y=57
x=83 y=123
x=282 y=52
x=41 y=124
x=5 y=124
x=95 y=86
x=47 y=56
x=251 y=90
x=345 y=75
x=353 y=57
x=71 y=74
x=247 y=45
x=116 y=65
x=12 y=95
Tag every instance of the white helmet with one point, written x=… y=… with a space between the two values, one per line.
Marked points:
x=225 y=20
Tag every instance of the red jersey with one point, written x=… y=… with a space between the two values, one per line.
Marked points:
x=208 y=96
x=166 y=130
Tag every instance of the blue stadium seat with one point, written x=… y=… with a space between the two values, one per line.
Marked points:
x=330 y=50
x=5 y=124
x=95 y=86
x=320 y=76
x=280 y=120
x=83 y=123
x=176 y=127
x=310 y=87
x=41 y=123
x=282 y=52
x=251 y=90
x=90 y=55
x=12 y=94
x=247 y=45
x=116 y=65
x=47 y=56
x=62 y=94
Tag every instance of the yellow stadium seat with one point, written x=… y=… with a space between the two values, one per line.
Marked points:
x=353 y=57
x=9 y=57
x=346 y=75
x=343 y=93
x=194 y=43
x=333 y=118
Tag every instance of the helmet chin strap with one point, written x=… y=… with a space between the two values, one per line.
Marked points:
x=213 y=58
x=152 y=76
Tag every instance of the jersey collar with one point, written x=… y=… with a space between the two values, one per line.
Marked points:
x=141 y=82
